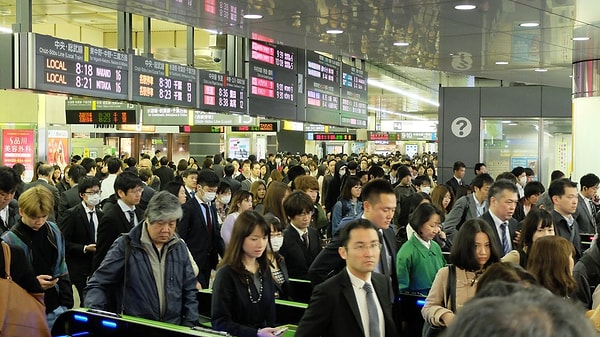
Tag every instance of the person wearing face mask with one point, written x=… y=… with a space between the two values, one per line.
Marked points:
x=222 y=201
x=422 y=184
x=519 y=172
x=199 y=226
x=79 y=226
x=278 y=267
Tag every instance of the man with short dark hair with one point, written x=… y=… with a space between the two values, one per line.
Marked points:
x=355 y=302
x=228 y=178
x=199 y=226
x=164 y=172
x=246 y=168
x=120 y=214
x=89 y=165
x=70 y=197
x=459 y=169
x=503 y=197
x=254 y=176
x=564 y=196
x=190 y=183
x=480 y=168
x=156 y=159
x=586 y=209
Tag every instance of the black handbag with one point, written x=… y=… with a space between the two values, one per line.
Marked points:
x=430 y=330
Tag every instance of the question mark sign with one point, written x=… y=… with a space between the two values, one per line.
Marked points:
x=461 y=127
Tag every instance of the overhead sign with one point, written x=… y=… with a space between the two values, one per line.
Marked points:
x=354 y=96
x=262 y=127
x=330 y=136
x=221 y=92
x=72 y=67
x=156 y=115
x=213 y=118
x=100 y=112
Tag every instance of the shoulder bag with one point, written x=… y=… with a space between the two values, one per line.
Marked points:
x=21 y=313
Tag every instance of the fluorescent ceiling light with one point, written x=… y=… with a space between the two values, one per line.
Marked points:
x=529 y=24
x=401 y=44
x=212 y=31
x=253 y=16
x=465 y=7
x=581 y=38
x=402 y=92
x=400 y=114
x=6 y=30
x=501 y=62
x=541 y=70
x=334 y=31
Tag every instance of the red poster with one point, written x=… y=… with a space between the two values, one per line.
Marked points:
x=58 y=145
x=18 y=146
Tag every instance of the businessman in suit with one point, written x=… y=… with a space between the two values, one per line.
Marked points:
x=70 y=198
x=190 y=182
x=79 y=228
x=586 y=210
x=301 y=242
x=502 y=201
x=379 y=204
x=45 y=172
x=563 y=193
x=120 y=214
x=9 y=210
x=228 y=170
x=468 y=206
x=459 y=169
x=199 y=226
x=355 y=302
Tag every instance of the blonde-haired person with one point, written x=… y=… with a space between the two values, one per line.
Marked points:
x=44 y=247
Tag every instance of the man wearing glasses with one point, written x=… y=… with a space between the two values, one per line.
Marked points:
x=301 y=242
x=355 y=302
x=79 y=225
x=120 y=216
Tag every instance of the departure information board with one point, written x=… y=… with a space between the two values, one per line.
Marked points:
x=322 y=82
x=76 y=68
x=221 y=92
x=87 y=111
x=354 y=100
x=163 y=83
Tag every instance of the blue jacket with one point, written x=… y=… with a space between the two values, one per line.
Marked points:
x=141 y=294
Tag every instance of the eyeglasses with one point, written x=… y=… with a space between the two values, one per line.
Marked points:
x=364 y=248
x=93 y=193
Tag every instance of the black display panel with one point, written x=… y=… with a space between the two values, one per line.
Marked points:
x=322 y=82
x=163 y=83
x=76 y=68
x=272 y=80
x=221 y=92
x=262 y=127
x=330 y=136
x=101 y=117
x=354 y=100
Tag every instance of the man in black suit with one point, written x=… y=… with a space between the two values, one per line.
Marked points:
x=502 y=200
x=459 y=169
x=164 y=172
x=586 y=210
x=45 y=172
x=190 y=183
x=301 y=242
x=79 y=227
x=70 y=197
x=148 y=192
x=9 y=210
x=235 y=185
x=563 y=193
x=199 y=226
x=379 y=204
x=355 y=302
x=218 y=166
x=120 y=215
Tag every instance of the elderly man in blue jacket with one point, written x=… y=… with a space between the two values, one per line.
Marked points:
x=147 y=272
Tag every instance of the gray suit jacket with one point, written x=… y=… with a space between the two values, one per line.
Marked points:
x=453 y=219
x=586 y=222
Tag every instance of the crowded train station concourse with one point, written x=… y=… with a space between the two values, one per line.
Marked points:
x=368 y=168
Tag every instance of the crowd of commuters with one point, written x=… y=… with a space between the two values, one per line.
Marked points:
x=142 y=237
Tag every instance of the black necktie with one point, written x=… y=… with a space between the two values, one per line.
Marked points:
x=305 y=238
x=383 y=258
x=131 y=219
x=3 y=226
x=505 y=244
x=92 y=226
x=208 y=219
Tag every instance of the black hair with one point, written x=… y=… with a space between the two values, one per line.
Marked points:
x=422 y=214
x=533 y=188
x=529 y=172
x=127 y=181
x=76 y=172
x=188 y=172
x=173 y=187
x=556 y=174
x=223 y=187
x=420 y=180
x=478 y=167
x=373 y=189
x=535 y=218
x=296 y=203
x=8 y=179
x=517 y=171
x=589 y=180
x=114 y=164
x=88 y=164
x=228 y=169
x=500 y=186
x=507 y=176
x=376 y=171
x=208 y=177
x=462 y=253
x=354 y=224
x=458 y=165
x=557 y=187
x=482 y=179
x=87 y=182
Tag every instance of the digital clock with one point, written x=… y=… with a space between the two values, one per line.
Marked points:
x=75 y=68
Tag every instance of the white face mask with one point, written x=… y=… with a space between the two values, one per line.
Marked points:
x=342 y=172
x=277 y=160
x=209 y=196
x=523 y=180
x=93 y=200
x=225 y=199
x=276 y=243
x=426 y=189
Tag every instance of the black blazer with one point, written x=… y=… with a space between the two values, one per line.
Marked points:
x=298 y=258
x=329 y=262
x=513 y=226
x=113 y=223
x=147 y=194
x=13 y=216
x=68 y=199
x=193 y=230
x=165 y=174
x=586 y=222
x=333 y=310
x=453 y=183
x=562 y=229
x=235 y=185
x=76 y=229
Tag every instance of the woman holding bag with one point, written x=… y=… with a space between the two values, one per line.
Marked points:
x=472 y=252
